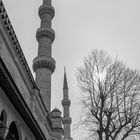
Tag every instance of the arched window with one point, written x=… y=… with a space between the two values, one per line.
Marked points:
x=3 y=121
x=13 y=132
x=3 y=118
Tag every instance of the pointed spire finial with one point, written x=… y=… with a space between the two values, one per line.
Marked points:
x=64 y=69
x=65 y=85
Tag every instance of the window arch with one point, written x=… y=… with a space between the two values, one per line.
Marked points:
x=3 y=118
x=13 y=132
x=3 y=122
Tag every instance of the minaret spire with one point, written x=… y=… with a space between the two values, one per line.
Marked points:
x=44 y=64
x=66 y=113
x=65 y=85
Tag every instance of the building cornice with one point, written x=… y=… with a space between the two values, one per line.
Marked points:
x=17 y=48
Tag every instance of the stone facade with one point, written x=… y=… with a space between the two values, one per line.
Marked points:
x=25 y=112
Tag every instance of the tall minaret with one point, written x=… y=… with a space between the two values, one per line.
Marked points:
x=44 y=64
x=66 y=104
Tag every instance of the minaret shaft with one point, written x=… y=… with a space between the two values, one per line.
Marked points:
x=47 y=2
x=44 y=48
x=67 y=131
x=66 y=112
x=44 y=64
x=46 y=21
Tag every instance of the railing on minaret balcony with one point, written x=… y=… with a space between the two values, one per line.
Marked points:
x=44 y=64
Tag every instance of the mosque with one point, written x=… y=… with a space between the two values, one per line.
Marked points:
x=25 y=103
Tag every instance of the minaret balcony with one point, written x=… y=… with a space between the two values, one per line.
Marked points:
x=66 y=120
x=45 y=33
x=46 y=9
x=66 y=102
x=44 y=62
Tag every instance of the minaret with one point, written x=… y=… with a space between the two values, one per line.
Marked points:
x=66 y=104
x=44 y=64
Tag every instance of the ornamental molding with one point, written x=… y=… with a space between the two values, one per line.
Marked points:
x=44 y=32
x=46 y=9
x=53 y=117
x=15 y=43
x=57 y=129
x=66 y=102
x=44 y=62
x=66 y=120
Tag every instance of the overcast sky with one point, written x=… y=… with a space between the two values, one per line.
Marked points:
x=80 y=26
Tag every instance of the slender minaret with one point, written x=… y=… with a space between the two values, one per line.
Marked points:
x=66 y=104
x=44 y=64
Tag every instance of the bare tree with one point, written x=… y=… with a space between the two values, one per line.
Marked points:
x=111 y=97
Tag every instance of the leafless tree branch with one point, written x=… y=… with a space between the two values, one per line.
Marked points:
x=111 y=103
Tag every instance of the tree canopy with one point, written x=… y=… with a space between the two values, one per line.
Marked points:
x=111 y=97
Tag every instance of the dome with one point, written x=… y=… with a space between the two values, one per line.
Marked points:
x=56 y=113
x=56 y=110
